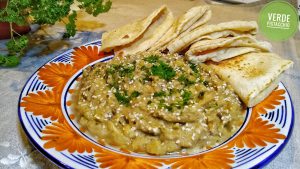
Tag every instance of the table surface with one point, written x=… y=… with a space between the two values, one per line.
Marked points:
x=46 y=43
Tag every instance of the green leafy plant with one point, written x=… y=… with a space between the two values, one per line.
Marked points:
x=43 y=12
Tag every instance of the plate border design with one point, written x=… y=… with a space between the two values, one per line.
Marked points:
x=281 y=147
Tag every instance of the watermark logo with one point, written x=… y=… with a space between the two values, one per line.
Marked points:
x=278 y=20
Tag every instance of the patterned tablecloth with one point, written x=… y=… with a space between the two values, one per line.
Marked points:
x=15 y=149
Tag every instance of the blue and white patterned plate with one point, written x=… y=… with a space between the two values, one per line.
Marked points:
x=48 y=121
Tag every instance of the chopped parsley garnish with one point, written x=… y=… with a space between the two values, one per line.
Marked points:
x=112 y=69
x=126 y=70
x=163 y=71
x=147 y=77
x=186 y=96
x=184 y=80
x=159 y=94
x=123 y=70
x=162 y=104
x=160 y=68
x=169 y=108
x=123 y=98
x=193 y=67
x=152 y=59
x=135 y=94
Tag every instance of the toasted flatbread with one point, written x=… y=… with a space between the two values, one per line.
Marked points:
x=221 y=30
x=139 y=35
x=253 y=76
x=225 y=48
x=190 y=20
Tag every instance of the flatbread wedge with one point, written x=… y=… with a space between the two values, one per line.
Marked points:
x=225 y=48
x=190 y=20
x=149 y=29
x=253 y=76
x=221 y=30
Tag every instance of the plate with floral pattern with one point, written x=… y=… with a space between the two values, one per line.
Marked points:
x=48 y=121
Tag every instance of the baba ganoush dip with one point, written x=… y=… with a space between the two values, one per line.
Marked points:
x=157 y=104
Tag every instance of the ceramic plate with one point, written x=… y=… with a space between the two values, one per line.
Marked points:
x=46 y=117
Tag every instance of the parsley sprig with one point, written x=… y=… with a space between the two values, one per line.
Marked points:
x=185 y=81
x=43 y=12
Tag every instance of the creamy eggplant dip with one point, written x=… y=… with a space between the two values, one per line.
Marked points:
x=157 y=104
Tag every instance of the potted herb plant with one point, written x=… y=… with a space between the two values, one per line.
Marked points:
x=17 y=15
x=5 y=26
